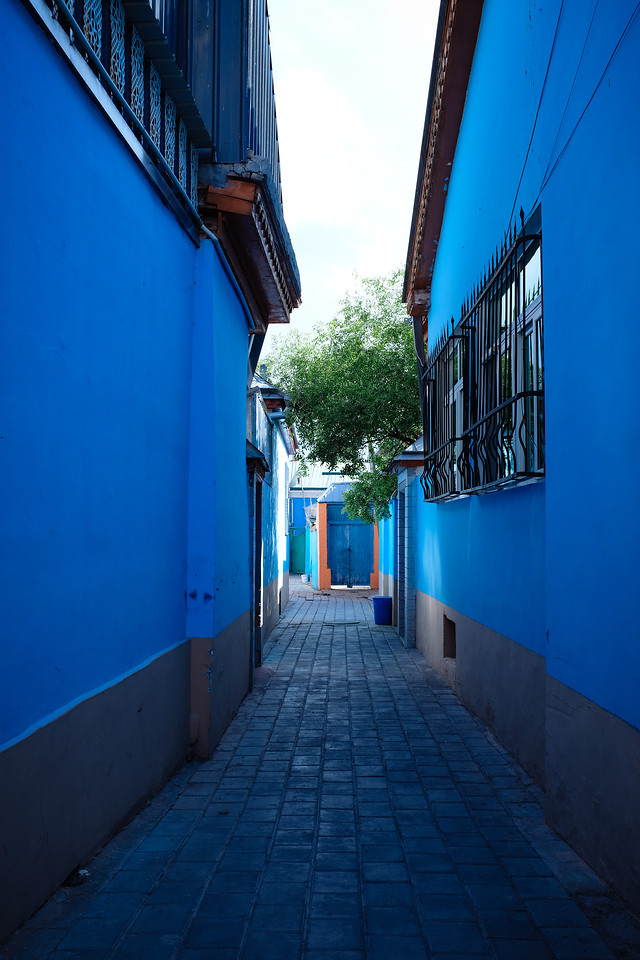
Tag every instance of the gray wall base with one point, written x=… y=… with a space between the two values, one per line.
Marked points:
x=220 y=680
x=593 y=786
x=68 y=786
x=270 y=607
x=490 y=674
x=587 y=759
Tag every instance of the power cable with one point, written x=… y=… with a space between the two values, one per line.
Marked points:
x=548 y=175
x=575 y=77
x=544 y=84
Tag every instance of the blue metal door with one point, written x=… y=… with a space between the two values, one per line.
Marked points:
x=349 y=548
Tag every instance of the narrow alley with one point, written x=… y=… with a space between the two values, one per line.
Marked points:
x=354 y=808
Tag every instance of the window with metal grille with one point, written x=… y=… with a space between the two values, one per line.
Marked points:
x=484 y=384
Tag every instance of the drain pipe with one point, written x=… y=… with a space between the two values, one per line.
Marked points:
x=226 y=266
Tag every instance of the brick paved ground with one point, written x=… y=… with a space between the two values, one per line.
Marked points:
x=353 y=809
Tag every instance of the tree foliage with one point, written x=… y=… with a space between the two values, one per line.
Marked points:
x=354 y=390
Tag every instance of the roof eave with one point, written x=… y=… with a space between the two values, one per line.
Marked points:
x=456 y=36
x=236 y=202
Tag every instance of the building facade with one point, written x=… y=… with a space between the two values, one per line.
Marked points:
x=519 y=282
x=274 y=448
x=145 y=253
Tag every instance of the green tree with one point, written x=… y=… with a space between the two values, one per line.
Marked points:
x=354 y=389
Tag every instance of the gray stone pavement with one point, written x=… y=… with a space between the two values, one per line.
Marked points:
x=354 y=809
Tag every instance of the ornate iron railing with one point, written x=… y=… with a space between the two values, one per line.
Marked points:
x=183 y=75
x=113 y=50
x=484 y=386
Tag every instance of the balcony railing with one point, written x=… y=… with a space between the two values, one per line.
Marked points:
x=184 y=75
x=263 y=127
x=205 y=132
x=104 y=44
x=246 y=129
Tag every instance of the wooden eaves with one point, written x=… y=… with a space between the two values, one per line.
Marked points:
x=237 y=202
x=456 y=36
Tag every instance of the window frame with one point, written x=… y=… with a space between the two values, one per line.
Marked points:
x=484 y=416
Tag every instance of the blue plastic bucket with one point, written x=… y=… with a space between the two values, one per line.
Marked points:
x=382 y=610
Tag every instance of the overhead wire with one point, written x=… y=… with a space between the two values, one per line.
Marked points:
x=549 y=173
x=575 y=77
x=533 y=130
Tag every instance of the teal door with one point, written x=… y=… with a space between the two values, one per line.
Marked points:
x=296 y=549
x=349 y=548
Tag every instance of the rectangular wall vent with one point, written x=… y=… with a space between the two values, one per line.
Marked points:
x=448 y=638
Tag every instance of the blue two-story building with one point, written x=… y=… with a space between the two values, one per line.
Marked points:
x=144 y=254
x=521 y=284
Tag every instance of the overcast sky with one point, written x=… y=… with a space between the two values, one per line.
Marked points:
x=351 y=83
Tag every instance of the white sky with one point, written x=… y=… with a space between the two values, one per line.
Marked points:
x=351 y=84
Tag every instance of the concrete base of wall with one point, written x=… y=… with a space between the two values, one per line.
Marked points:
x=489 y=673
x=593 y=785
x=587 y=759
x=68 y=786
x=270 y=607
x=220 y=680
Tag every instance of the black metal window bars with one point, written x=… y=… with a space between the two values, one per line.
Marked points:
x=484 y=386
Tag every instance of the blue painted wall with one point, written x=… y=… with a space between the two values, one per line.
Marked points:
x=230 y=378
x=502 y=98
x=582 y=525
x=298 y=517
x=123 y=397
x=313 y=549
x=387 y=539
x=284 y=495
x=218 y=568
x=484 y=556
x=591 y=341
x=307 y=551
x=275 y=537
x=95 y=396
